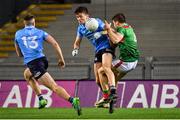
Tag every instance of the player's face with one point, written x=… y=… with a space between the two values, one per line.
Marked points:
x=82 y=17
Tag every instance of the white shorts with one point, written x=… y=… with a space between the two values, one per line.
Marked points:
x=124 y=66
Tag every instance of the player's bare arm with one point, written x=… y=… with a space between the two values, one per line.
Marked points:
x=56 y=46
x=76 y=46
x=114 y=36
x=77 y=42
x=18 y=51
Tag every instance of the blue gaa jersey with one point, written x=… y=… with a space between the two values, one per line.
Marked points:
x=100 y=41
x=30 y=41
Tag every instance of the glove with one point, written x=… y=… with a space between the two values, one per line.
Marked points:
x=75 y=52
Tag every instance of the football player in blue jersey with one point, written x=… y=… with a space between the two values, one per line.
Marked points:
x=103 y=51
x=29 y=45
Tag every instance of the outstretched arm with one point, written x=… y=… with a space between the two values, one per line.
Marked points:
x=114 y=36
x=76 y=46
x=18 y=50
x=58 y=50
x=77 y=43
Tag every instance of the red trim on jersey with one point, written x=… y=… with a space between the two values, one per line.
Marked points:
x=118 y=64
x=126 y=26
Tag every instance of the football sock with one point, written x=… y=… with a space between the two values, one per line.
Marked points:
x=105 y=94
x=70 y=99
x=112 y=89
x=40 y=97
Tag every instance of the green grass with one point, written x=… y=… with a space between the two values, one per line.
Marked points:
x=90 y=113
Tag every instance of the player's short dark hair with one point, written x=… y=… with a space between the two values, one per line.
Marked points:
x=81 y=9
x=120 y=17
x=28 y=17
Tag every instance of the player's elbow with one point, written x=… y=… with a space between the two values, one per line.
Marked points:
x=55 y=44
x=117 y=40
x=76 y=43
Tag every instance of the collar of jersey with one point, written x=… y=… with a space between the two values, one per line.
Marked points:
x=31 y=26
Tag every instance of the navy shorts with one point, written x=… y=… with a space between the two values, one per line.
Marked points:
x=98 y=55
x=38 y=67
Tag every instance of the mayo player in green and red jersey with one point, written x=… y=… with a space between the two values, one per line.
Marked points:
x=125 y=39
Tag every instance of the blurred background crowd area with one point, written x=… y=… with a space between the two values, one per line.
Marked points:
x=9 y=9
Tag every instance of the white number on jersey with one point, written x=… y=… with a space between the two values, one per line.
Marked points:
x=30 y=42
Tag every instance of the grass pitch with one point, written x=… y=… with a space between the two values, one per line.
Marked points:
x=88 y=113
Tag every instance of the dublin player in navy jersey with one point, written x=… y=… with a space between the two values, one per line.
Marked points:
x=29 y=45
x=103 y=51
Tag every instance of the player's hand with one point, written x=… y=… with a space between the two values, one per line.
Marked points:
x=107 y=25
x=75 y=52
x=61 y=63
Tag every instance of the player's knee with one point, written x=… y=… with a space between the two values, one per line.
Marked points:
x=27 y=76
x=101 y=70
x=106 y=69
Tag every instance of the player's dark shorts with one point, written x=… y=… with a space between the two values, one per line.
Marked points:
x=98 y=55
x=38 y=67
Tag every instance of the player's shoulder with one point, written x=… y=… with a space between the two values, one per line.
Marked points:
x=38 y=30
x=81 y=27
x=121 y=29
x=126 y=26
x=19 y=32
x=99 y=20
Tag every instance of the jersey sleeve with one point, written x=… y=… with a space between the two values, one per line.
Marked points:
x=45 y=34
x=15 y=38
x=121 y=30
x=79 y=32
x=101 y=23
